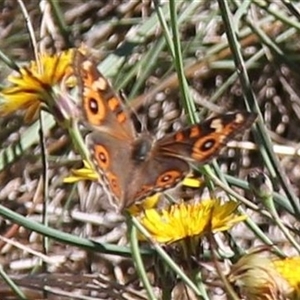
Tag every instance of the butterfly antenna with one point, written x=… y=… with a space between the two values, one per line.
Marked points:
x=30 y=30
x=138 y=120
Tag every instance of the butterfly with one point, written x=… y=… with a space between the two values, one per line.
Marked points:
x=134 y=165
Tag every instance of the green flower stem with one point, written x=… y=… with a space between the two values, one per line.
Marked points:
x=132 y=231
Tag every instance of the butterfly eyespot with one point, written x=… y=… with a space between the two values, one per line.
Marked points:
x=102 y=157
x=93 y=106
x=204 y=148
x=207 y=145
x=168 y=178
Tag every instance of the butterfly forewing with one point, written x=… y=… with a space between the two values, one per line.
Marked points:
x=202 y=142
x=102 y=107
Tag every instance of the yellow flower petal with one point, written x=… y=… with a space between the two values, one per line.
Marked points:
x=192 y=182
x=223 y=216
x=85 y=173
x=289 y=269
x=148 y=203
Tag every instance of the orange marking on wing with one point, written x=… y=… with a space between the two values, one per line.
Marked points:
x=114 y=184
x=179 y=136
x=113 y=103
x=121 y=117
x=87 y=80
x=228 y=129
x=194 y=132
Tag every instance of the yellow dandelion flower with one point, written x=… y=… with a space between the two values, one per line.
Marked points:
x=264 y=278
x=188 y=220
x=32 y=85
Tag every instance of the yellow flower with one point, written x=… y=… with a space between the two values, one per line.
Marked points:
x=188 y=220
x=148 y=203
x=33 y=85
x=264 y=278
x=289 y=269
x=192 y=182
x=85 y=173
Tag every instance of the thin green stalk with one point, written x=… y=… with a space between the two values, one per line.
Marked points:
x=59 y=18
x=165 y=28
x=188 y=103
x=10 y=63
x=137 y=258
x=45 y=186
x=18 y=292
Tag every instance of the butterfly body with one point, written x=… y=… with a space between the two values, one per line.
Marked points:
x=133 y=166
